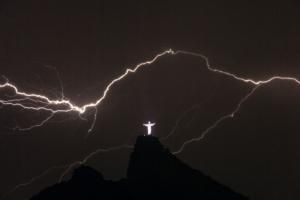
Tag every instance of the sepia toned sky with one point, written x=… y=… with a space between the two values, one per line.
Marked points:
x=81 y=46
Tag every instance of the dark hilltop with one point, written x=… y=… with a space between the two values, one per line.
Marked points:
x=153 y=173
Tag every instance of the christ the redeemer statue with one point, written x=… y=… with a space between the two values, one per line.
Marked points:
x=149 y=127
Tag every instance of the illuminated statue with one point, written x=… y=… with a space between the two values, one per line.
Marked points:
x=149 y=127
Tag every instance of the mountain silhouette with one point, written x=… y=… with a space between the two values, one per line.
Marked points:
x=153 y=173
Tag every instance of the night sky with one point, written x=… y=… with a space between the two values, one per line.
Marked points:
x=86 y=44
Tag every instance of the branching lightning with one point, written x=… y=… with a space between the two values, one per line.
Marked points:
x=37 y=102
x=88 y=157
x=32 y=180
x=44 y=103
x=216 y=123
x=69 y=106
x=179 y=119
x=67 y=168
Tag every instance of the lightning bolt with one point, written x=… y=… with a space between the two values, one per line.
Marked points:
x=44 y=103
x=88 y=157
x=179 y=119
x=32 y=180
x=69 y=106
x=67 y=167
x=216 y=123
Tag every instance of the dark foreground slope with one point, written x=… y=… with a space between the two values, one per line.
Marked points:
x=153 y=173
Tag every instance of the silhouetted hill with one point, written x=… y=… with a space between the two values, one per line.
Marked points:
x=153 y=173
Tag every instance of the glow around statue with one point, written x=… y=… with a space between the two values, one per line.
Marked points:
x=149 y=127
